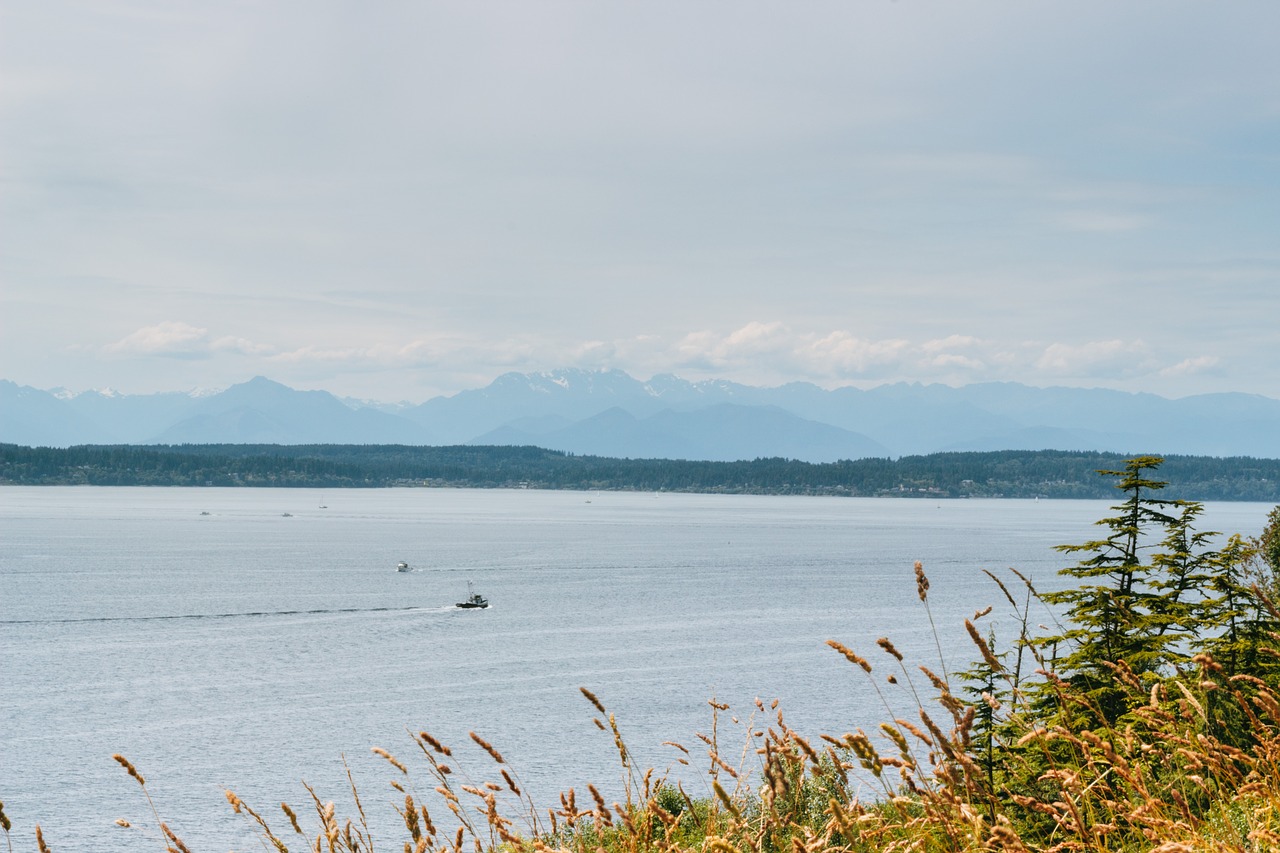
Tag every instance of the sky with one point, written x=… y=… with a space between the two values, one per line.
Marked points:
x=397 y=200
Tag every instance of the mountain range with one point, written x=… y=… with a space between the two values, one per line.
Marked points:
x=609 y=413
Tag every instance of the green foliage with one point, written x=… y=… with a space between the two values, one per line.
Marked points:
x=1269 y=542
x=1156 y=595
x=1119 y=613
x=1183 y=568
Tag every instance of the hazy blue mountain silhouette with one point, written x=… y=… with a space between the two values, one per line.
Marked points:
x=720 y=432
x=134 y=419
x=36 y=418
x=611 y=413
x=264 y=412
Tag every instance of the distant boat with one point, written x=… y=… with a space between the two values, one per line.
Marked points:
x=402 y=566
x=474 y=599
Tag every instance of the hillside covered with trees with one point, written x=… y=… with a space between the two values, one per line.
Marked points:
x=1014 y=474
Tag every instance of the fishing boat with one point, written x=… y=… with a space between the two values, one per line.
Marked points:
x=474 y=599
x=402 y=566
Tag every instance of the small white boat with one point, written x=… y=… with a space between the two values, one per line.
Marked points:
x=474 y=600
x=402 y=566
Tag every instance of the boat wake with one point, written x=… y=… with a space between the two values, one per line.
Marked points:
x=244 y=615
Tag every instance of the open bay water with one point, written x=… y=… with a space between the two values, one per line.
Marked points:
x=249 y=639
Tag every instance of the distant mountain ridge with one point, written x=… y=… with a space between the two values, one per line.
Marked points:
x=609 y=413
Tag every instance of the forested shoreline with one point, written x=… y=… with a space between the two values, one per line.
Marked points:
x=1011 y=474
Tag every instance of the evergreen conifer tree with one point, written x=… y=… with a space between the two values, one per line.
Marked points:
x=1116 y=615
x=1185 y=568
x=1240 y=629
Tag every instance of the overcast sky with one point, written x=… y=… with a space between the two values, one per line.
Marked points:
x=394 y=200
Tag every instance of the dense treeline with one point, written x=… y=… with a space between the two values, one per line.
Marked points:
x=1051 y=474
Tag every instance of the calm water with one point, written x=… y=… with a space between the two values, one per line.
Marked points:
x=248 y=639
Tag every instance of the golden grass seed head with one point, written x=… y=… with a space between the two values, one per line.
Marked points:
x=4 y=819
x=916 y=731
x=1266 y=700
x=591 y=697
x=715 y=844
x=895 y=735
x=804 y=746
x=922 y=582
x=850 y=655
x=435 y=744
x=723 y=796
x=987 y=655
x=595 y=795
x=293 y=818
x=1003 y=836
x=487 y=747
x=887 y=644
x=44 y=848
x=411 y=818
x=391 y=759
x=721 y=763
x=937 y=682
x=173 y=837
x=426 y=821
x=128 y=766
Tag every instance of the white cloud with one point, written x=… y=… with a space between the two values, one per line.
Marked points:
x=845 y=355
x=1096 y=358
x=952 y=342
x=1198 y=365
x=769 y=349
x=240 y=345
x=759 y=352
x=174 y=339
x=170 y=338
x=762 y=351
x=953 y=361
